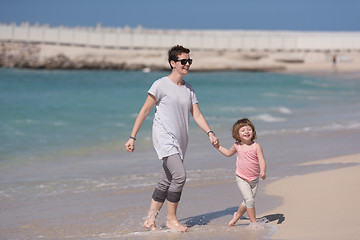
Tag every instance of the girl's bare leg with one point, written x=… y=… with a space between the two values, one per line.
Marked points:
x=252 y=215
x=237 y=215
x=149 y=222
x=172 y=221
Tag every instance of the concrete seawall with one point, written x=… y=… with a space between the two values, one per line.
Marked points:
x=106 y=37
x=45 y=47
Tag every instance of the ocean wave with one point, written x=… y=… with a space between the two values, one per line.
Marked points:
x=316 y=84
x=296 y=95
x=272 y=94
x=277 y=109
x=283 y=110
x=264 y=114
x=323 y=128
x=264 y=117
x=268 y=118
x=237 y=109
x=118 y=183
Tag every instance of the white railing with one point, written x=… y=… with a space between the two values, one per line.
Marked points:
x=195 y=39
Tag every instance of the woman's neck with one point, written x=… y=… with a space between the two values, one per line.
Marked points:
x=176 y=78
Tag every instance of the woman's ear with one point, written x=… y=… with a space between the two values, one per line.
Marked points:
x=172 y=63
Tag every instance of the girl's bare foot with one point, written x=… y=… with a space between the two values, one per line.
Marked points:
x=235 y=218
x=175 y=226
x=149 y=222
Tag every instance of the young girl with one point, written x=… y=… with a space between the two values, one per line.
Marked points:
x=250 y=166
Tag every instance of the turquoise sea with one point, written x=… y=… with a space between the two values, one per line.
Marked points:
x=44 y=113
x=62 y=134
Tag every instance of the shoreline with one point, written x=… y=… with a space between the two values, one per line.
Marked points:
x=324 y=204
x=206 y=208
x=52 y=56
x=103 y=192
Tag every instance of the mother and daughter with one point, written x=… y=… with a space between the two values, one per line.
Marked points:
x=174 y=100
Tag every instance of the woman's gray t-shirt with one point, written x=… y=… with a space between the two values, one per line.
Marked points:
x=171 y=121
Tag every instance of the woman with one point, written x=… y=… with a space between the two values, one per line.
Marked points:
x=175 y=99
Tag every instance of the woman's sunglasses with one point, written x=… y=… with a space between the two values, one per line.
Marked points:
x=184 y=61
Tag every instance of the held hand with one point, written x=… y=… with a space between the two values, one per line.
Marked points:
x=214 y=140
x=129 y=145
x=216 y=144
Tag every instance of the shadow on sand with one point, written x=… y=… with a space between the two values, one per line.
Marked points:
x=204 y=219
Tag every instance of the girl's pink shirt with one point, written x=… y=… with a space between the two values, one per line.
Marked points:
x=247 y=163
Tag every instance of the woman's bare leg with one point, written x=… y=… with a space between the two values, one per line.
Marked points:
x=172 y=221
x=149 y=222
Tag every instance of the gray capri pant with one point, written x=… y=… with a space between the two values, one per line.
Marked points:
x=248 y=190
x=172 y=180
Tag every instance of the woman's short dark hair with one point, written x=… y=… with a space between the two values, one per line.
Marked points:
x=175 y=51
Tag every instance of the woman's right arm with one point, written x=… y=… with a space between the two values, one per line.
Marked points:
x=144 y=112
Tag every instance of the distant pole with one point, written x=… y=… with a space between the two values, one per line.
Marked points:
x=27 y=32
x=12 y=31
x=43 y=35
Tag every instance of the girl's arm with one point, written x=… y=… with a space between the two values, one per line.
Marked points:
x=225 y=151
x=200 y=120
x=261 y=161
x=144 y=112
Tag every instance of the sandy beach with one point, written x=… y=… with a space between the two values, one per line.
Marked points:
x=322 y=205
x=47 y=56
x=103 y=192
x=283 y=204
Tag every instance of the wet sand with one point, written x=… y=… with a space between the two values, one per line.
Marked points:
x=96 y=210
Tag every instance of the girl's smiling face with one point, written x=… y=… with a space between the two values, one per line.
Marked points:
x=246 y=133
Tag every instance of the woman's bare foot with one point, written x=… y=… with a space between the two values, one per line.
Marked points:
x=149 y=222
x=235 y=218
x=175 y=226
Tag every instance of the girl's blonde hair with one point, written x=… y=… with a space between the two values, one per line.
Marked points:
x=239 y=124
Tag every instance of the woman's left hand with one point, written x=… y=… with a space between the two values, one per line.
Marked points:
x=214 y=140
